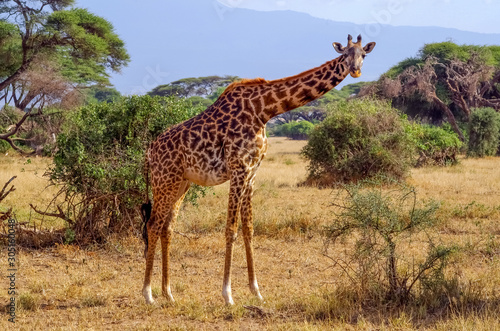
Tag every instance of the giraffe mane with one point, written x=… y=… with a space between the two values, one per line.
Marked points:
x=256 y=81
x=245 y=81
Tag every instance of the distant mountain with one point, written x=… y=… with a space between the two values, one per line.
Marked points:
x=199 y=38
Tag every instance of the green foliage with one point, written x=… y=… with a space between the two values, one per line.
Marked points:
x=98 y=94
x=401 y=66
x=86 y=45
x=9 y=116
x=484 y=132
x=89 y=36
x=4 y=146
x=455 y=74
x=82 y=44
x=100 y=160
x=359 y=139
x=294 y=130
x=50 y=52
x=10 y=47
x=435 y=145
x=380 y=260
x=447 y=51
x=316 y=109
x=341 y=94
x=200 y=101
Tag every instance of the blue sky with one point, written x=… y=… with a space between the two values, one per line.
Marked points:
x=477 y=16
x=154 y=31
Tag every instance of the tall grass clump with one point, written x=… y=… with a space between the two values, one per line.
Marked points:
x=100 y=160
x=359 y=139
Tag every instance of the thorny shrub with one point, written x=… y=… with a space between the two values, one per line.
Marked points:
x=390 y=254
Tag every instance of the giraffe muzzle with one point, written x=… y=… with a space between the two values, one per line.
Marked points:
x=355 y=73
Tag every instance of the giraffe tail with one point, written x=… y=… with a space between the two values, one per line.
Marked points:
x=147 y=207
x=146 y=215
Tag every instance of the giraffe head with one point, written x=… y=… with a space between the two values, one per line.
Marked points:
x=354 y=54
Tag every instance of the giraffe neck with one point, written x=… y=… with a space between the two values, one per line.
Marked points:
x=282 y=95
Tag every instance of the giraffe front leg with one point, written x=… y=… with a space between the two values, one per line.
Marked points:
x=237 y=187
x=247 y=228
x=166 y=237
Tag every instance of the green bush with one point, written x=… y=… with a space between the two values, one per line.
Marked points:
x=484 y=128
x=435 y=145
x=359 y=139
x=295 y=130
x=100 y=161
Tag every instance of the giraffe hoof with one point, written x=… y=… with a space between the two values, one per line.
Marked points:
x=146 y=292
x=226 y=294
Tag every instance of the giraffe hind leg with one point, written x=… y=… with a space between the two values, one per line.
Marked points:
x=166 y=238
x=163 y=212
x=153 y=233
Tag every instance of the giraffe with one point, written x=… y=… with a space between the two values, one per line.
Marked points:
x=225 y=142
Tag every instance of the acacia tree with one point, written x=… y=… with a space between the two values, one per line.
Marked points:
x=48 y=52
x=453 y=79
x=423 y=80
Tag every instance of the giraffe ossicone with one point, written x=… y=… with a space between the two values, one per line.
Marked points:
x=228 y=142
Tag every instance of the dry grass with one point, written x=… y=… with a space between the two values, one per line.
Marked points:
x=67 y=288
x=31 y=187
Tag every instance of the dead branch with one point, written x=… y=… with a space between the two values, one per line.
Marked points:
x=60 y=215
x=3 y=193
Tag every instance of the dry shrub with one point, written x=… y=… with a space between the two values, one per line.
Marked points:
x=389 y=252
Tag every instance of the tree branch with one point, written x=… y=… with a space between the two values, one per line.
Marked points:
x=60 y=215
x=5 y=136
x=3 y=193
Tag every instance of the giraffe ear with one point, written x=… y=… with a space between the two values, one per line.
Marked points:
x=339 y=48
x=369 y=47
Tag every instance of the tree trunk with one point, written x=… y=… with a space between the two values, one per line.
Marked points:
x=451 y=119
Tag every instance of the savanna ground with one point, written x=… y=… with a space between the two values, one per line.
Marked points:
x=71 y=288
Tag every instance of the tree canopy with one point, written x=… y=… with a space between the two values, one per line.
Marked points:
x=48 y=50
x=447 y=51
x=452 y=79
